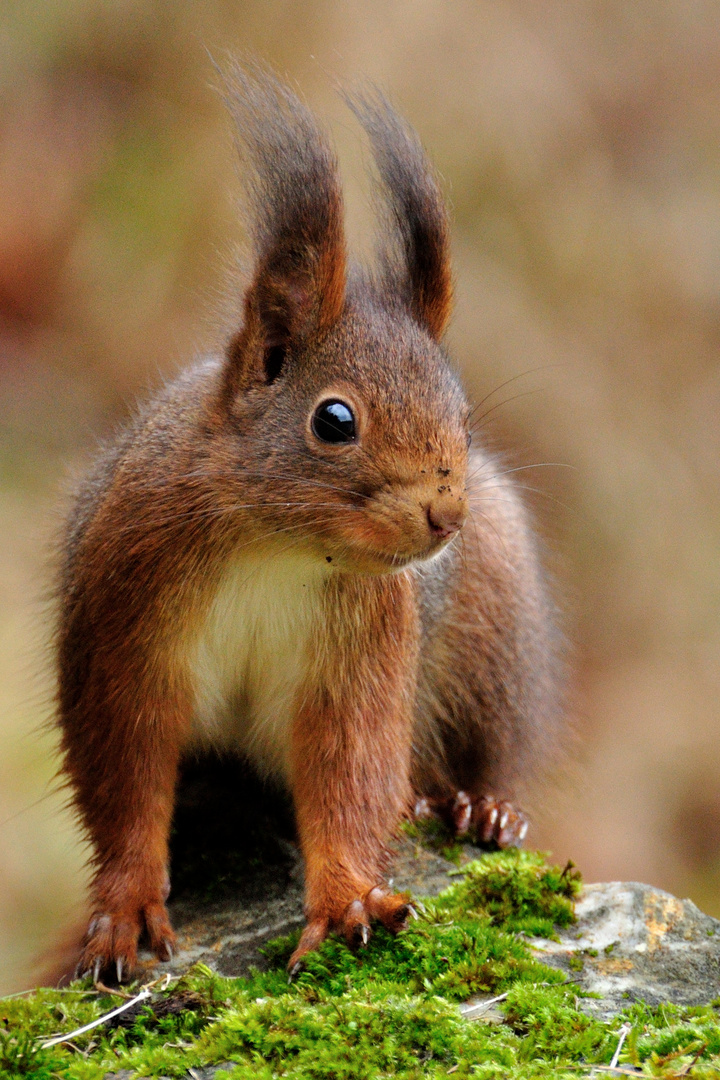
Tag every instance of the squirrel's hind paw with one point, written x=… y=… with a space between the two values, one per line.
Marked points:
x=489 y=822
x=497 y=824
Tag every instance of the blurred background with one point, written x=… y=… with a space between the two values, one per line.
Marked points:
x=579 y=145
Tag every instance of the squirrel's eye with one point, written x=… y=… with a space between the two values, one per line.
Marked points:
x=334 y=422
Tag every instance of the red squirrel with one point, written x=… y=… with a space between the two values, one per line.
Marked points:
x=296 y=553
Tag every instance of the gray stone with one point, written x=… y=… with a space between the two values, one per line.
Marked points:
x=227 y=935
x=631 y=943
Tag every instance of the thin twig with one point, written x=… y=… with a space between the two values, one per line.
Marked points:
x=619 y=1070
x=685 y=1071
x=52 y=989
x=113 y=992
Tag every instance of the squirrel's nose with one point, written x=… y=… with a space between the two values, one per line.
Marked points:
x=445 y=517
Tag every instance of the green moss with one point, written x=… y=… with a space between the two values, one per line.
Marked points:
x=389 y=1011
x=518 y=891
x=434 y=834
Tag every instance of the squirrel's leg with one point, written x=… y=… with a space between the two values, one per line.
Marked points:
x=121 y=746
x=351 y=759
x=489 y=711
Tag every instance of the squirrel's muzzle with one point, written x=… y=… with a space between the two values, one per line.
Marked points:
x=445 y=517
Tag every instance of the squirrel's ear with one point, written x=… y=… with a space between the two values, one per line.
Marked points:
x=422 y=271
x=296 y=220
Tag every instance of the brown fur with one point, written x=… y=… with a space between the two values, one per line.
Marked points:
x=395 y=676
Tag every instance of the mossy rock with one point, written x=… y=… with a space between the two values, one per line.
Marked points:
x=398 y=1008
x=392 y=1010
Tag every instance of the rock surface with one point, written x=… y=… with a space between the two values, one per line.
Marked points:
x=636 y=943
x=227 y=934
x=631 y=942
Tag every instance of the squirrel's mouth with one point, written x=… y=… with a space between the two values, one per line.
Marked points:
x=376 y=560
x=391 y=538
x=397 y=528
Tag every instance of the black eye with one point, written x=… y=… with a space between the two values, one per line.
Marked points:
x=333 y=422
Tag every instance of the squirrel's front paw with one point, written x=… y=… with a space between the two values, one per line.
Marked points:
x=109 y=950
x=391 y=909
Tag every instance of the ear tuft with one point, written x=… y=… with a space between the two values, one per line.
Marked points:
x=422 y=270
x=296 y=220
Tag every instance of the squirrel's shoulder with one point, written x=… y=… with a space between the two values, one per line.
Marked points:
x=157 y=428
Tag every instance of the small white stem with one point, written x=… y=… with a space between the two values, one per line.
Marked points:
x=623 y=1035
x=482 y=1006
x=144 y=993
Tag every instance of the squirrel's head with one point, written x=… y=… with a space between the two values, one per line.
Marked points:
x=341 y=412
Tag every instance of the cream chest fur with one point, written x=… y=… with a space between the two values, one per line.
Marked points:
x=249 y=662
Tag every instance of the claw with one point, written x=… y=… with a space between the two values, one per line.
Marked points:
x=167 y=951
x=488 y=828
x=462 y=812
x=357 y=935
x=294 y=971
x=97 y=968
x=119 y=965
